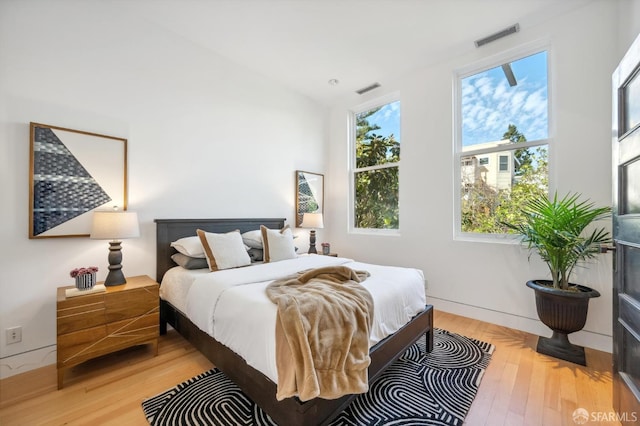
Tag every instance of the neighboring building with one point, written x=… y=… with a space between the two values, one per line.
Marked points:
x=495 y=169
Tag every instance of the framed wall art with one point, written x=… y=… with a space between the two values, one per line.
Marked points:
x=309 y=194
x=72 y=173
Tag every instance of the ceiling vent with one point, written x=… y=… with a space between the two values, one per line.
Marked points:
x=368 y=88
x=503 y=33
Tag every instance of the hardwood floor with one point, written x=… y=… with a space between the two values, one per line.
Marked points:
x=520 y=387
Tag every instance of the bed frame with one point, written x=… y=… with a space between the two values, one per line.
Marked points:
x=256 y=385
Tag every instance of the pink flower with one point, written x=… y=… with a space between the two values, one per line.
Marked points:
x=83 y=271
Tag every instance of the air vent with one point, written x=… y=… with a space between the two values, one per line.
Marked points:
x=368 y=88
x=493 y=37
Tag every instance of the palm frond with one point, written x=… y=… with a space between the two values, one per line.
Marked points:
x=557 y=230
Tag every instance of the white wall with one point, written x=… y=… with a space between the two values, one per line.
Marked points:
x=629 y=19
x=206 y=139
x=486 y=280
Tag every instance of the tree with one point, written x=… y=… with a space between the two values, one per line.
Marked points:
x=485 y=209
x=376 y=191
x=532 y=183
x=479 y=202
x=521 y=157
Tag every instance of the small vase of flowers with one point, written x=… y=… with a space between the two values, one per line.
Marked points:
x=85 y=277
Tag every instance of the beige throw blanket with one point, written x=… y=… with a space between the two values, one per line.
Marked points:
x=322 y=333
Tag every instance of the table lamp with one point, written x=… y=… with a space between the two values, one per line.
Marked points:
x=114 y=225
x=314 y=221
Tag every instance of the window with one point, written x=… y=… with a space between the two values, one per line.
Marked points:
x=503 y=121
x=375 y=166
x=504 y=163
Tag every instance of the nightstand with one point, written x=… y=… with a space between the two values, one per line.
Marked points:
x=97 y=324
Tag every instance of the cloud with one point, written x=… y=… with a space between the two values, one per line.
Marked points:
x=489 y=105
x=388 y=119
x=536 y=102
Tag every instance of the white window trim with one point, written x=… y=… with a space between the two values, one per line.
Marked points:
x=510 y=55
x=366 y=106
x=500 y=164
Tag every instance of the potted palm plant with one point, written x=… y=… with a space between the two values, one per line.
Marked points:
x=560 y=231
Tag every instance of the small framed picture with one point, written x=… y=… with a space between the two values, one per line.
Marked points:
x=309 y=194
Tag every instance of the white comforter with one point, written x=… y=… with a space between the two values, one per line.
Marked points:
x=232 y=306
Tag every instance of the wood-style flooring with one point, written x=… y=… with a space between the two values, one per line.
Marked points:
x=520 y=387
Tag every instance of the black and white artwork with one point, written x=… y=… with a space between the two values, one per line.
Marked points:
x=73 y=173
x=309 y=194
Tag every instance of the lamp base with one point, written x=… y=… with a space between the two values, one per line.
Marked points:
x=312 y=242
x=115 y=275
x=115 y=278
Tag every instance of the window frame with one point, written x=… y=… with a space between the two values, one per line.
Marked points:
x=510 y=55
x=360 y=108
x=501 y=163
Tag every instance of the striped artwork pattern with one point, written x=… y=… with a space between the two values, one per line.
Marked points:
x=420 y=388
x=62 y=188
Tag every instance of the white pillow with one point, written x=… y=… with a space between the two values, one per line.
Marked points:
x=224 y=251
x=253 y=238
x=278 y=244
x=189 y=246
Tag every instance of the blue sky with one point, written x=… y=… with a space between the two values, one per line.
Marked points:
x=388 y=118
x=489 y=104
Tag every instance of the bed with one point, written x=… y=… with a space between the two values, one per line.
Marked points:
x=260 y=388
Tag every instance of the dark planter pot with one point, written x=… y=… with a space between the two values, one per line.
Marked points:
x=564 y=312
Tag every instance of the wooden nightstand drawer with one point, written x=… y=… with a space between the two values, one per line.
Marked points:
x=78 y=313
x=74 y=319
x=130 y=304
x=79 y=346
x=141 y=328
x=77 y=303
x=100 y=323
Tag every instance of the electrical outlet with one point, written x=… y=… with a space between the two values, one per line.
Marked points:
x=14 y=335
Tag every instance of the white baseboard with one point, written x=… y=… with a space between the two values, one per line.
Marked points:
x=534 y=326
x=26 y=361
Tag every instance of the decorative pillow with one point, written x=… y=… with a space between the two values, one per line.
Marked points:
x=255 y=254
x=253 y=239
x=278 y=244
x=189 y=246
x=224 y=251
x=188 y=262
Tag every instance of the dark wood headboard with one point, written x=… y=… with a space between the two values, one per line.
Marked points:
x=169 y=230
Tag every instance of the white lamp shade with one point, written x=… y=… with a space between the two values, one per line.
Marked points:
x=114 y=225
x=312 y=220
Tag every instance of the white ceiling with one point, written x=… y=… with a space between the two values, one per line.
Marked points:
x=304 y=43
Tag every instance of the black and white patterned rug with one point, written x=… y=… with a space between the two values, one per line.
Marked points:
x=420 y=388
